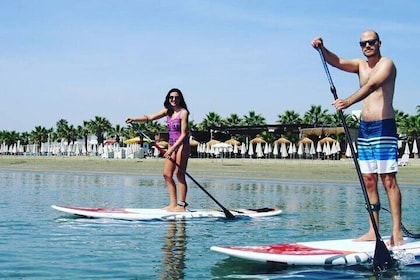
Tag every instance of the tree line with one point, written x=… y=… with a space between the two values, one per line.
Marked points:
x=408 y=126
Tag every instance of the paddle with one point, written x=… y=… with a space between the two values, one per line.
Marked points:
x=228 y=214
x=382 y=258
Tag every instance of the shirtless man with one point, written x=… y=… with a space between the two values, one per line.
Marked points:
x=377 y=138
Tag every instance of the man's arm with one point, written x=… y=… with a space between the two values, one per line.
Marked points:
x=348 y=65
x=385 y=70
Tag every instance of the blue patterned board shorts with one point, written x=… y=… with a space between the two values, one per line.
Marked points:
x=377 y=145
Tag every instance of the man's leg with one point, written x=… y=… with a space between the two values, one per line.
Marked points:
x=371 y=184
x=392 y=189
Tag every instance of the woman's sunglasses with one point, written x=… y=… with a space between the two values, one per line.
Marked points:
x=173 y=97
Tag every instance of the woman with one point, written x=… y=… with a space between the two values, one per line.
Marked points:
x=176 y=113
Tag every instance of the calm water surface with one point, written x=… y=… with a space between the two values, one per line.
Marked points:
x=38 y=242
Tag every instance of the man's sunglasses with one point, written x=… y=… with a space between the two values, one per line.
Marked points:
x=371 y=42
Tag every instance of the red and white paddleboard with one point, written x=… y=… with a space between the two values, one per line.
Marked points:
x=160 y=214
x=321 y=253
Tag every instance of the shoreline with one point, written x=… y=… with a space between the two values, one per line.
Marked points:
x=290 y=170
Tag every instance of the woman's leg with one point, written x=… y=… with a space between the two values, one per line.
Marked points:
x=168 y=171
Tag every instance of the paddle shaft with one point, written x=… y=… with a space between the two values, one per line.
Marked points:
x=379 y=241
x=228 y=214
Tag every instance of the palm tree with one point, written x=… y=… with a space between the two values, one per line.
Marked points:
x=9 y=137
x=83 y=132
x=233 y=120
x=192 y=125
x=400 y=117
x=25 y=138
x=253 y=119
x=66 y=131
x=212 y=119
x=411 y=127
x=289 y=117
x=316 y=116
x=39 y=135
x=62 y=127
x=99 y=126
x=118 y=131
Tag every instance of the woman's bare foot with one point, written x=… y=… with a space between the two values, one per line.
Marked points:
x=370 y=236
x=176 y=208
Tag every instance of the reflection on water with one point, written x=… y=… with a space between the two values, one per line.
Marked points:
x=174 y=246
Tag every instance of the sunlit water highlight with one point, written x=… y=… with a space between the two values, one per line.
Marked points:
x=38 y=242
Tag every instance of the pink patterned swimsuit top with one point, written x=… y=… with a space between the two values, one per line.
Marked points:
x=174 y=127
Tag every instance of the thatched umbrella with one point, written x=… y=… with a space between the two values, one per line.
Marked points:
x=163 y=144
x=305 y=140
x=194 y=143
x=282 y=140
x=232 y=141
x=327 y=140
x=257 y=139
x=212 y=142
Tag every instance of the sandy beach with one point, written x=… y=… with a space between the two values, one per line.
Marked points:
x=269 y=169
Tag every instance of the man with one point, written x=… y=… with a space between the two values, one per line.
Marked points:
x=377 y=138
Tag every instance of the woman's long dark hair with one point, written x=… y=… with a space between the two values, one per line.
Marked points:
x=181 y=101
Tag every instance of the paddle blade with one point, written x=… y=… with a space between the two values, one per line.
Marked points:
x=228 y=214
x=382 y=259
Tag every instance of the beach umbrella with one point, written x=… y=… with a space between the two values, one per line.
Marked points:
x=283 y=150
x=337 y=144
x=307 y=148
x=355 y=147
x=193 y=142
x=163 y=144
x=235 y=149
x=243 y=149
x=250 y=150
x=312 y=149
x=291 y=150
x=348 y=151
x=266 y=149
x=327 y=149
x=257 y=139
x=275 y=149
x=305 y=140
x=407 y=148
x=415 y=150
x=232 y=141
x=95 y=148
x=212 y=142
x=300 y=149
x=110 y=141
x=282 y=139
x=76 y=149
x=327 y=139
x=259 y=150
x=334 y=149
x=222 y=147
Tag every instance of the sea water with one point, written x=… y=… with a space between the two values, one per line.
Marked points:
x=38 y=242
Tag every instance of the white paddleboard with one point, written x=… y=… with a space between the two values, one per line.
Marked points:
x=160 y=214
x=319 y=253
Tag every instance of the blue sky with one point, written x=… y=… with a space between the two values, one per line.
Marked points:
x=75 y=60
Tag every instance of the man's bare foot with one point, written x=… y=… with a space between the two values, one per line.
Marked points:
x=395 y=241
x=366 y=237
x=176 y=208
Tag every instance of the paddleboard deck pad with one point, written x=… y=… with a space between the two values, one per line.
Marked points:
x=320 y=253
x=160 y=214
